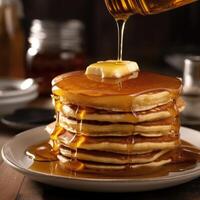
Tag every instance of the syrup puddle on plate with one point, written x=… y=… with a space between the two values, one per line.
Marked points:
x=45 y=161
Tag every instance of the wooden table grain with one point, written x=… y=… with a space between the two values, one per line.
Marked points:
x=16 y=186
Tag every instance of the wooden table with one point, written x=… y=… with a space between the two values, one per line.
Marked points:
x=16 y=186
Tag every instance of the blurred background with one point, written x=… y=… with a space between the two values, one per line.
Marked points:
x=150 y=40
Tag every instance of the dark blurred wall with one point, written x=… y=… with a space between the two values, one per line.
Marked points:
x=146 y=38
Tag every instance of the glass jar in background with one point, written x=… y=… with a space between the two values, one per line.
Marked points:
x=11 y=39
x=54 y=48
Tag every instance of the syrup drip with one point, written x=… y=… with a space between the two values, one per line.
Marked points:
x=129 y=142
x=120 y=29
x=74 y=164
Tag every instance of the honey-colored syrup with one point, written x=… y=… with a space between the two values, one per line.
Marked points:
x=42 y=152
x=55 y=168
x=122 y=9
x=187 y=159
x=57 y=130
x=120 y=31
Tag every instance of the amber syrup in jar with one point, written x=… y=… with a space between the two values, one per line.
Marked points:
x=122 y=9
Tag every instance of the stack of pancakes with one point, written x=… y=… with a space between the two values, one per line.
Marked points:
x=110 y=126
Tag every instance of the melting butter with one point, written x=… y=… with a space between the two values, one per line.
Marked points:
x=112 y=68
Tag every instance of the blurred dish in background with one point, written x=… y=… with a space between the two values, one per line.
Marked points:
x=27 y=118
x=15 y=94
x=54 y=48
x=176 y=60
x=13 y=88
x=11 y=39
x=191 y=90
x=177 y=55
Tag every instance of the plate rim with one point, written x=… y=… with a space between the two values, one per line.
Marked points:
x=27 y=171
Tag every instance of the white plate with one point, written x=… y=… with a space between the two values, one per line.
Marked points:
x=13 y=154
x=9 y=105
x=22 y=86
x=10 y=100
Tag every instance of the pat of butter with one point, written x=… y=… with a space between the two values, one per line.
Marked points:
x=112 y=68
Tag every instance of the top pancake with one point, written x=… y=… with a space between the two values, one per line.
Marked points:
x=79 y=83
x=145 y=91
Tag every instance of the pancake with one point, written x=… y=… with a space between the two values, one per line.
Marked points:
x=120 y=103
x=94 y=128
x=123 y=145
x=144 y=163
x=86 y=113
x=67 y=163
x=112 y=158
x=50 y=129
x=144 y=92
